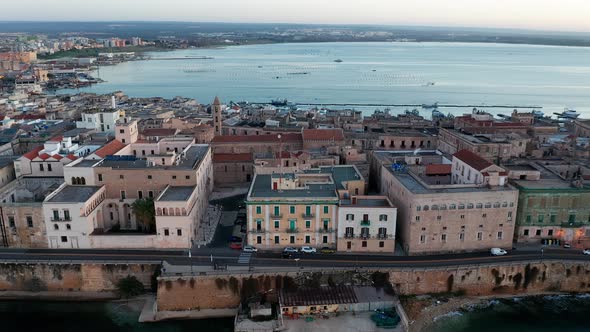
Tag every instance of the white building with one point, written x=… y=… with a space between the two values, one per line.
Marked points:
x=100 y=120
x=366 y=224
x=469 y=168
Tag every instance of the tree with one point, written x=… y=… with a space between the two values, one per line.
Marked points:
x=146 y=213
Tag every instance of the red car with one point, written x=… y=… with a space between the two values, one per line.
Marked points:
x=236 y=245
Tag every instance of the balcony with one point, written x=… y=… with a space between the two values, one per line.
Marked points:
x=349 y=235
x=280 y=215
x=307 y=215
x=326 y=230
x=574 y=224
x=365 y=236
x=61 y=219
x=292 y=230
x=257 y=231
x=382 y=236
x=365 y=223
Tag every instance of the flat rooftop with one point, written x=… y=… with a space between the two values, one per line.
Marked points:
x=180 y=193
x=262 y=188
x=523 y=167
x=367 y=202
x=191 y=160
x=418 y=187
x=74 y=194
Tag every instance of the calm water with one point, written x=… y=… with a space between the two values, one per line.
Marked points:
x=393 y=73
x=92 y=317
x=539 y=313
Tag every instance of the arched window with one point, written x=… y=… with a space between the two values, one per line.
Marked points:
x=171 y=211
x=488 y=205
x=425 y=208
x=159 y=211
x=470 y=205
x=479 y=205
x=165 y=211
x=452 y=207
x=434 y=207
x=418 y=208
x=177 y=211
x=443 y=207
x=56 y=227
x=183 y=211
x=73 y=180
x=83 y=181
x=461 y=206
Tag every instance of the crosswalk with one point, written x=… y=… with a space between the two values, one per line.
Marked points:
x=244 y=258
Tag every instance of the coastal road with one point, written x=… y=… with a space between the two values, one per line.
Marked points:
x=202 y=257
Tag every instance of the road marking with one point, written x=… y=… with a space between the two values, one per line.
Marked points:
x=244 y=258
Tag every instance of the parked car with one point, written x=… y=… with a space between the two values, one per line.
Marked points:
x=291 y=250
x=285 y=254
x=327 y=250
x=586 y=252
x=498 y=252
x=235 y=239
x=567 y=245
x=307 y=250
x=236 y=245
x=250 y=249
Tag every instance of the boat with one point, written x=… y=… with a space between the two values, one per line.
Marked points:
x=568 y=114
x=437 y=114
x=435 y=105
x=279 y=102
x=338 y=60
x=538 y=114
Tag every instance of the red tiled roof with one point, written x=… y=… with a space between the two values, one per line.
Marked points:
x=323 y=134
x=232 y=157
x=44 y=156
x=29 y=117
x=71 y=157
x=438 y=169
x=159 y=132
x=110 y=148
x=472 y=159
x=33 y=153
x=56 y=157
x=272 y=138
x=285 y=154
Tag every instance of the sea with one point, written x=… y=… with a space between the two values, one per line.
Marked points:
x=550 y=78
x=93 y=317
x=561 y=313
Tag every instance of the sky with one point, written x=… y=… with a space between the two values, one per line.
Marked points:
x=559 y=15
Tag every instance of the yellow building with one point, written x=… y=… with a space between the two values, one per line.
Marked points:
x=299 y=209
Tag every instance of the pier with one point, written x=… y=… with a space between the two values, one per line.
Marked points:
x=185 y=58
x=428 y=106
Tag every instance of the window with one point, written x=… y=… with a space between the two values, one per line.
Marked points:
x=325 y=239
x=488 y=205
x=188 y=177
x=277 y=223
x=540 y=217
x=525 y=232
x=509 y=215
x=258 y=209
x=462 y=216
x=149 y=177
x=470 y=205
x=461 y=206
x=350 y=217
x=528 y=218
x=277 y=239
x=381 y=244
x=259 y=239
x=418 y=208
x=434 y=207
x=29 y=221
x=550 y=232
x=64 y=239
x=277 y=210
x=538 y=232
x=425 y=208
x=41 y=167
x=179 y=232
x=150 y=194
x=422 y=238
x=497 y=204
x=461 y=236
x=292 y=209
x=479 y=236
x=173 y=177
x=292 y=239
x=326 y=209
x=478 y=206
x=56 y=227
x=571 y=218
x=500 y=235
x=417 y=218
x=438 y=217
x=123 y=194
x=140 y=194
x=364 y=244
x=382 y=217
x=443 y=237
x=11 y=221
x=307 y=239
x=99 y=177
x=166 y=232
x=452 y=207
x=121 y=131
x=49 y=167
x=121 y=176
x=307 y=223
x=485 y=215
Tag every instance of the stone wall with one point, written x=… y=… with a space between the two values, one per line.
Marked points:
x=70 y=277
x=516 y=278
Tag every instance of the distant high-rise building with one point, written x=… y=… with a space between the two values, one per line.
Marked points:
x=217 y=118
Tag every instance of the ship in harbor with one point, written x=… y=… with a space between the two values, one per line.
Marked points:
x=279 y=102
x=568 y=114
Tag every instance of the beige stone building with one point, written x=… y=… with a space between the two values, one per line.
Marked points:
x=447 y=217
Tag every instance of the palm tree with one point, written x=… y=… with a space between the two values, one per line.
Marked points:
x=145 y=212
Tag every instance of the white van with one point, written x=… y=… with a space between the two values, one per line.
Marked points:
x=498 y=252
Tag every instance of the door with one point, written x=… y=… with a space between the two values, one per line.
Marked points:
x=74 y=241
x=53 y=242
